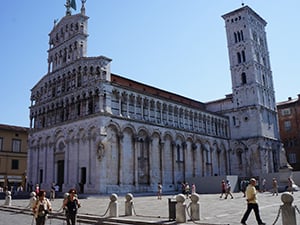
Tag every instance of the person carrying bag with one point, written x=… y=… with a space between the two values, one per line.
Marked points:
x=71 y=205
x=41 y=208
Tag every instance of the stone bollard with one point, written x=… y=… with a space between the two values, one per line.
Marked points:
x=195 y=207
x=8 y=198
x=113 y=206
x=288 y=211
x=129 y=205
x=180 y=209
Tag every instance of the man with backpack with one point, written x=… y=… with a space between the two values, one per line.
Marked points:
x=71 y=205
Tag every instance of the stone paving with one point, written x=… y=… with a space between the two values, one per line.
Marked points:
x=213 y=209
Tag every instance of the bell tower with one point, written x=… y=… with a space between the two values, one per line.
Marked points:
x=68 y=38
x=254 y=107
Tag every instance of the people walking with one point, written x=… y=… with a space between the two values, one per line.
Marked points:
x=252 y=203
x=223 y=189
x=37 y=189
x=187 y=189
x=41 y=208
x=71 y=205
x=290 y=185
x=52 y=192
x=228 y=189
x=264 y=181
x=275 y=187
x=244 y=184
x=193 y=189
x=183 y=188
x=159 y=191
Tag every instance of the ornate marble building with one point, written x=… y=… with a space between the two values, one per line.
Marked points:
x=106 y=133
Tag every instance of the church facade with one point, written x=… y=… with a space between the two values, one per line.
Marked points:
x=103 y=133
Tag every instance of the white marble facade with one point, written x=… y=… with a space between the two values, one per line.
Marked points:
x=103 y=133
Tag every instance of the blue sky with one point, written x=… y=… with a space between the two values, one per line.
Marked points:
x=175 y=45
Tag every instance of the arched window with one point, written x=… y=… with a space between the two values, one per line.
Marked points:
x=239 y=57
x=244 y=78
x=243 y=56
x=239 y=36
x=235 y=37
x=264 y=80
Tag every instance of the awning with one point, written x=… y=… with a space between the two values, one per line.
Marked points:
x=2 y=178
x=14 y=179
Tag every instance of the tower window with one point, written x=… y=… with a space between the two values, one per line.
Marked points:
x=243 y=56
x=238 y=36
x=244 y=78
x=235 y=37
x=264 y=80
x=239 y=57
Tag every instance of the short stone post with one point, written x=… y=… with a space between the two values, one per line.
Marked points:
x=288 y=211
x=8 y=198
x=195 y=207
x=113 y=206
x=180 y=209
x=128 y=204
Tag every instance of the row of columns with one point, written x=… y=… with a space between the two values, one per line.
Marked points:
x=155 y=111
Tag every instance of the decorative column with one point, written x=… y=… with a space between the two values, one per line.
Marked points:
x=184 y=145
x=173 y=146
x=161 y=160
x=149 y=156
x=76 y=160
x=194 y=158
x=120 y=157
x=89 y=171
x=67 y=162
x=135 y=160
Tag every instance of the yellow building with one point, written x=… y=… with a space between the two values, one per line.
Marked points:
x=13 y=156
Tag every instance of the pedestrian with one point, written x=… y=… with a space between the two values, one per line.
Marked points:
x=32 y=200
x=183 y=188
x=252 y=203
x=159 y=191
x=290 y=185
x=71 y=205
x=275 y=186
x=20 y=188
x=228 y=190
x=223 y=188
x=52 y=192
x=244 y=184
x=41 y=208
x=193 y=189
x=37 y=189
x=264 y=185
x=187 y=189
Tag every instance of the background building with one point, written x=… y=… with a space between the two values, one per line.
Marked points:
x=289 y=124
x=101 y=132
x=13 y=155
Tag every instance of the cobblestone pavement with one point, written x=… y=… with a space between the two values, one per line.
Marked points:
x=213 y=209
